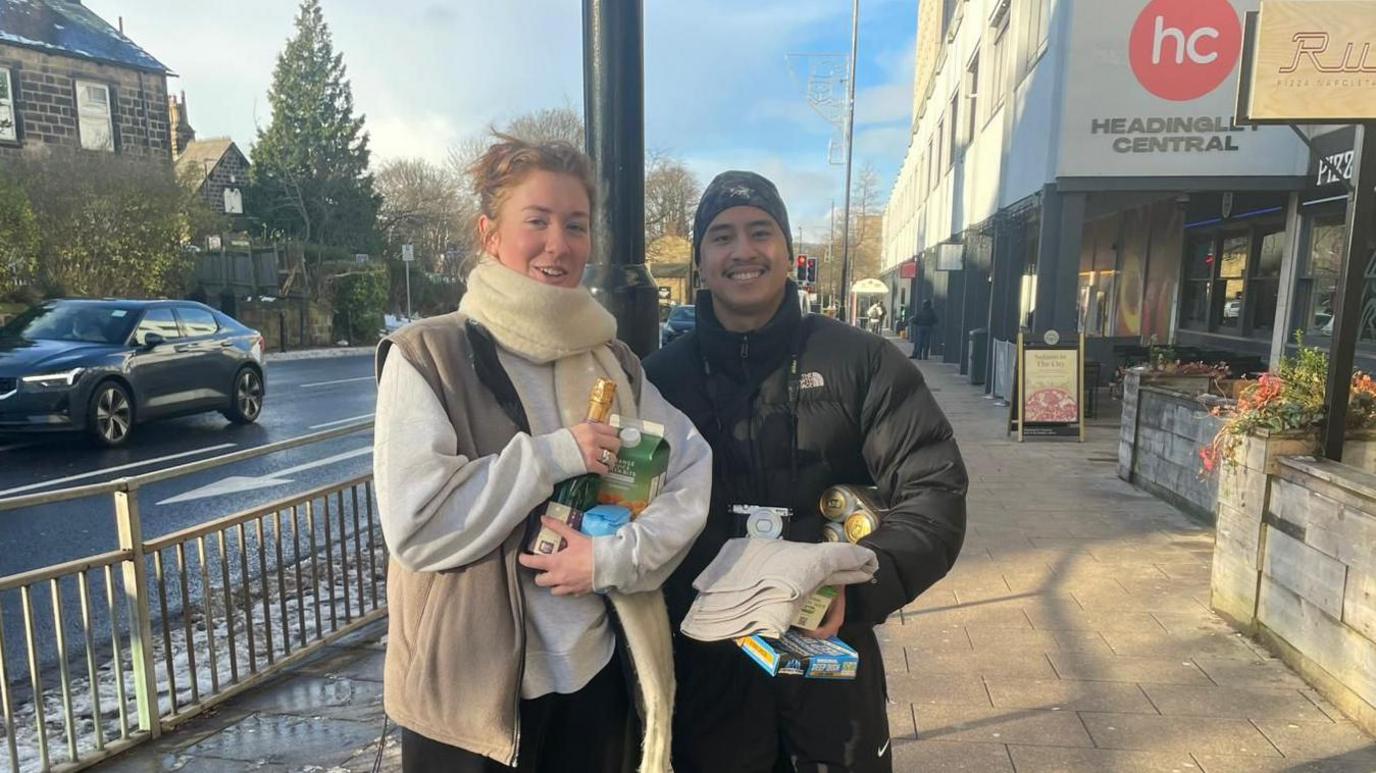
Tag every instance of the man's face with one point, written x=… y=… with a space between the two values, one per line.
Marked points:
x=745 y=263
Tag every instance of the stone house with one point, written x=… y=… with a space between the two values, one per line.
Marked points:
x=217 y=170
x=68 y=80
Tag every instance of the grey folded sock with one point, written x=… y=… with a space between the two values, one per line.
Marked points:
x=758 y=586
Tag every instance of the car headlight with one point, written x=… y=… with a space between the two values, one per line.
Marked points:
x=60 y=380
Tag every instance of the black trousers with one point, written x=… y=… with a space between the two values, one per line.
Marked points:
x=584 y=732
x=732 y=716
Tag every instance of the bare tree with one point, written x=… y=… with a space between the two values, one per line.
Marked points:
x=424 y=205
x=866 y=224
x=671 y=196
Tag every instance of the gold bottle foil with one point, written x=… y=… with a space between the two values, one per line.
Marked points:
x=601 y=399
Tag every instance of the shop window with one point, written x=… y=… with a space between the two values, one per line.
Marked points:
x=1318 y=284
x=1232 y=282
x=1194 y=290
x=1264 y=287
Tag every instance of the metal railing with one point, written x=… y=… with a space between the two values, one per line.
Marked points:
x=171 y=626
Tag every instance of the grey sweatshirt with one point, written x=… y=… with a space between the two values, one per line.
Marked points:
x=441 y=510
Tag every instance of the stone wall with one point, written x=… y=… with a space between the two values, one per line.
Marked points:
x=305 y=326
x=1162 y=432
x=1316 y=605
x=46 y=104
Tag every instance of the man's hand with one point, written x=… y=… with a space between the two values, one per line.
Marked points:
x=831 y=622
x=568 y=572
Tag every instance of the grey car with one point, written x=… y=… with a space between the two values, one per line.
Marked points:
x=104 y=366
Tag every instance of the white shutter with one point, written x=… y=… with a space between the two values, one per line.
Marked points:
x=9 y=132
x=93 y=116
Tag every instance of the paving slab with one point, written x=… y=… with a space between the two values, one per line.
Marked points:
x=1203 y=735
x=1072 y=635
x=987 y=724
x=1045 y=759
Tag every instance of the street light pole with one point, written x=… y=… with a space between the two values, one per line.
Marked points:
x=850 y=134
x=614 y=115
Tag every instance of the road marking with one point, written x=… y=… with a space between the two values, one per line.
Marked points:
x=336 y=422
x=237 y=484
x=336 y=381
x=108 y=470
x=15 y=446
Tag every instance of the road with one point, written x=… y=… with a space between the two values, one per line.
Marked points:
x=304 y=396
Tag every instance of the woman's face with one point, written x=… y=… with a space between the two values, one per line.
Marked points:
x=542 y=229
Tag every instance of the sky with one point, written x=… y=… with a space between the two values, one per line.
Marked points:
x=719 y=89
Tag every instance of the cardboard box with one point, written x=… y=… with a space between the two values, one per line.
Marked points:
x=794 y=654
x=641 y=467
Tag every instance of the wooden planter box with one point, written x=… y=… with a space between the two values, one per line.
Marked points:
x=1243 y=489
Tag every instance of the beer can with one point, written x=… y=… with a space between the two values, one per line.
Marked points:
x=837 y=503
x=866 y=498
x=833 y=532
x=861 y=524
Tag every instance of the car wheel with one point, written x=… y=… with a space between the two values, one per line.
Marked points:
x=246 y=399
x=110 y=416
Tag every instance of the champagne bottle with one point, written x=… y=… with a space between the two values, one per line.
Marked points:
x=573 y=496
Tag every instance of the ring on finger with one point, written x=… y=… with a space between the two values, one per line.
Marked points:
x=605 y=458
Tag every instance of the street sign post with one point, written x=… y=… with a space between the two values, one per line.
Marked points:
x=408 y=256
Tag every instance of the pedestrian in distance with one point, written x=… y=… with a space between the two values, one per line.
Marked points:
x=792 y=404
x=498 y=659
x=920 y=328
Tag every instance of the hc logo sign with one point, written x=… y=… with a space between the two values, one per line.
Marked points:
x=1183 y=49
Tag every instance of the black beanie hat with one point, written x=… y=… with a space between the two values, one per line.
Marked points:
x=738 y=189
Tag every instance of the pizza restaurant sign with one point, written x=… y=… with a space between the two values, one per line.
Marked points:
x=1311 y=61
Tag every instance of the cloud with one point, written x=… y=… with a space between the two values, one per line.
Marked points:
x=429 y=73
x=428 y=136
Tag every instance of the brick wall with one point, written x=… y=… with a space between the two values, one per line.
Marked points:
x=46 y=104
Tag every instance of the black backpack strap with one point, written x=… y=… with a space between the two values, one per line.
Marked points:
x=635 y=372
x=482 y=351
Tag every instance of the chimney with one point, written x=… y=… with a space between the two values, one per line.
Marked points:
x=182 y=133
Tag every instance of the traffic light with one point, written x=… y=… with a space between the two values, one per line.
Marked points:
x=812 y=271
x=801 y=275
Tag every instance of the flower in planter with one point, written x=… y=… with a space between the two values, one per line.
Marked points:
x=1290 y=397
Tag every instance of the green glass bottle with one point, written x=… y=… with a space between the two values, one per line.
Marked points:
x=572 y=497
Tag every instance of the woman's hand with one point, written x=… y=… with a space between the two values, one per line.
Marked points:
x=568 y=572
x=599 y=444
x=832 y=621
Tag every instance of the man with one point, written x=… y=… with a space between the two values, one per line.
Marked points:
x=920 y=330
x=792 y=404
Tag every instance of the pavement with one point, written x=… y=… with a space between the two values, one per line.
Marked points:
x=1074 y=634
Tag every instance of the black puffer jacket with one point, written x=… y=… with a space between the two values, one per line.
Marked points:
x=865 y=416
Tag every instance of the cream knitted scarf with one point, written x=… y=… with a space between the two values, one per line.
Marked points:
x=550 y=325
x=570 y=329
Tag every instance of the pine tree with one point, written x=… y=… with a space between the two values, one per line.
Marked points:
x=310 y=178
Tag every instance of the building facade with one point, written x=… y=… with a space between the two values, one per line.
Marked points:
x=68 y=80
x=1076 y=165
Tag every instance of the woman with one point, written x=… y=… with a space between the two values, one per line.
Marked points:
x=498 y=659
